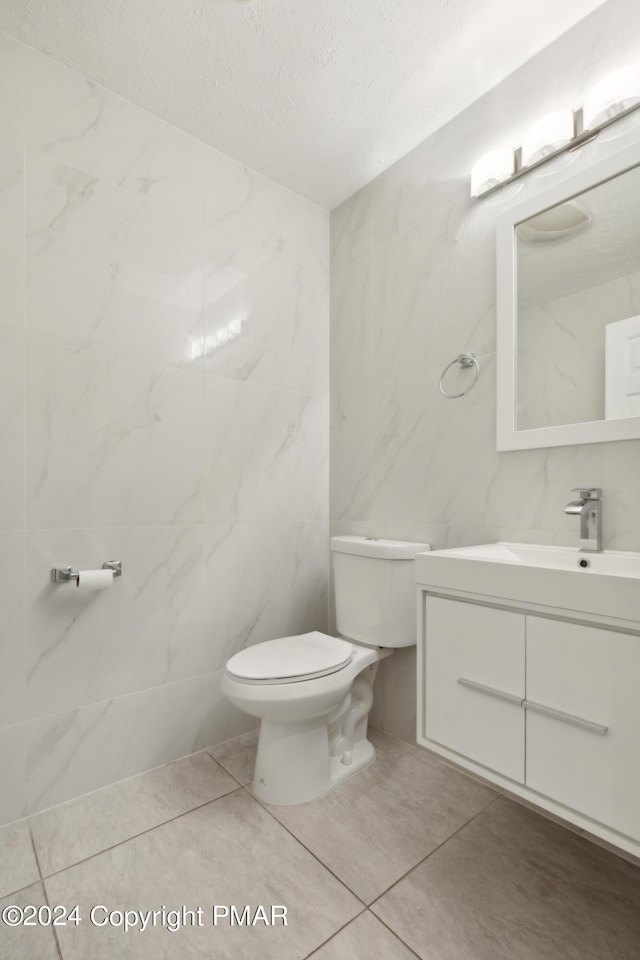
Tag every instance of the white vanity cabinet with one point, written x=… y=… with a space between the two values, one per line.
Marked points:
x=588 y=759
x=475 y=683
x=547 y=708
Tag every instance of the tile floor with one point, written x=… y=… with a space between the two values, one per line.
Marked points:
x=409 y=858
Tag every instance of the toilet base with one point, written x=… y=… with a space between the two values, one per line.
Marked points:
x=363 y=754
x=293 y=764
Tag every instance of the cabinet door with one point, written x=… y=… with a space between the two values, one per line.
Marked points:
x=593 y=675
x=475 y=682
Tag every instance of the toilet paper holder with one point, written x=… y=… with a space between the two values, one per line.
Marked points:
x=64 y=574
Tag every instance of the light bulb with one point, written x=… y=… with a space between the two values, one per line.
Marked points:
x=612 y=95
x=546 y=136
x=490 y=170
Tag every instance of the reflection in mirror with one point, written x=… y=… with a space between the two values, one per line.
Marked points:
x=578 y=308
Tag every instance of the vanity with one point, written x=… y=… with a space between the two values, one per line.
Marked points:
x=529 y=656
x=529 y=676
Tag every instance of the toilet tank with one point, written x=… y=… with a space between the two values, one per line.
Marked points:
x=375 y=589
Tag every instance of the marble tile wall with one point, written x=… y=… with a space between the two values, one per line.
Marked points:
x=413 y=285
x=164 y=329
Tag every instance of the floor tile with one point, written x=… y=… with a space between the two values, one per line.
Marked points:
x=385 y=819
x=386 y=743
x=81 y=828
x=228 y=852
x=18 y=867
x=514 y=886
x=238 y=756
x=629 y=857
x=362 y=939
x=31 y=942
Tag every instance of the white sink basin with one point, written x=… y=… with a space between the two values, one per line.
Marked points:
x=611 y=562
x=605 y=584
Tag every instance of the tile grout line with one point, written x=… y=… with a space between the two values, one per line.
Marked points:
x=135 y=836
x=44 y=890
x=245 y=789
x=35 y=852
x=219 y=762
x=305 y=847
x=432 y=759
x=315 y=950
x=394 y=932
x=240 y=787
x=55 y=873
x=435 y=849
x=163 y=366
x=343 y=882
x=14 y=893
x=344 y=926
x=166 y=124
x=420 y=753
x=115 y=783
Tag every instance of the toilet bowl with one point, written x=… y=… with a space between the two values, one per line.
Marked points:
x=313 y=692
x=297 y=760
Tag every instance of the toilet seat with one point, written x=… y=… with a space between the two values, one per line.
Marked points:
x=290 y=659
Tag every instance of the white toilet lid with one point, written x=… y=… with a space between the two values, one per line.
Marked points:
x=291 y=659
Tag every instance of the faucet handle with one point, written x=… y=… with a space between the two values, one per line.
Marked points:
x=588 y=493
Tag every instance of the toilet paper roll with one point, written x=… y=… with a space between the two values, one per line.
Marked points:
x=94 y=579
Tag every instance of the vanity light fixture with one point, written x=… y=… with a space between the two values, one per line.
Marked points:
x=613 y=97
x=615 y=94
x=547 y=136
x=491 y=170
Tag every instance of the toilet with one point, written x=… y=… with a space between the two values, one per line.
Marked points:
x=313 y=692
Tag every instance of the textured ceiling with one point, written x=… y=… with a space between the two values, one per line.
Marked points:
x=319 y=95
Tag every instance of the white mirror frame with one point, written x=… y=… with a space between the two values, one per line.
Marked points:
x=594 y=431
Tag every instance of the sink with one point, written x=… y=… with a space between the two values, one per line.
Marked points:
x=602 y=584
x=609 y=562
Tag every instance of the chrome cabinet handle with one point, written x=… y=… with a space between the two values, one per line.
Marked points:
x=599 y=728
x=566 y=717
x=490 y=691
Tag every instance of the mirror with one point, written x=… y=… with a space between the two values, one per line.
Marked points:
x=569 y=311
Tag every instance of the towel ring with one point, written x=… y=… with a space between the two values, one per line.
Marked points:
x=465 y=360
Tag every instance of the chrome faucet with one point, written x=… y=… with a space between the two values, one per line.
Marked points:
x=589 y=509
